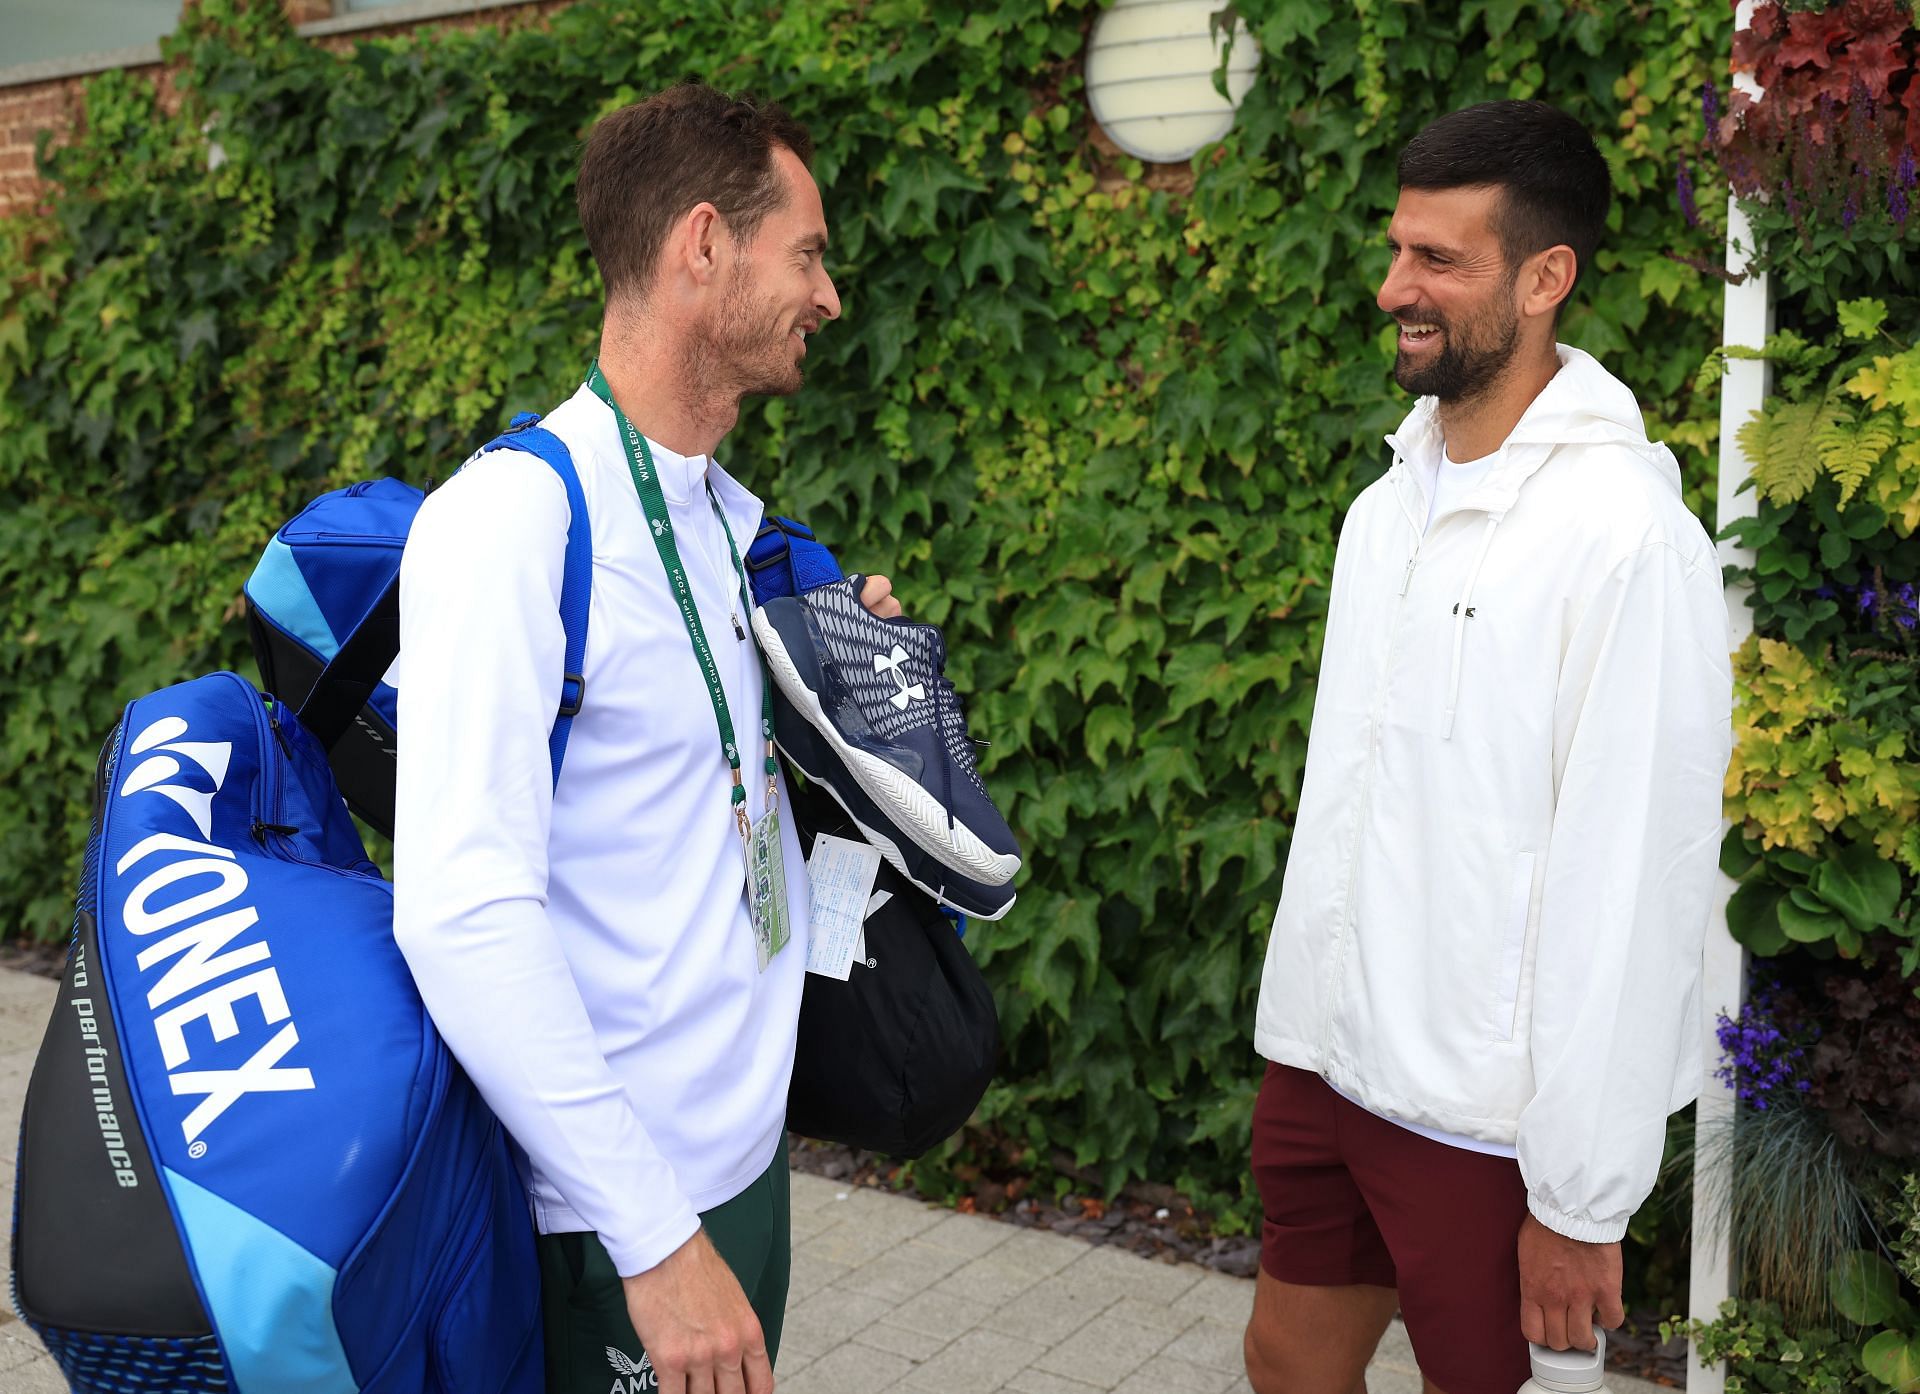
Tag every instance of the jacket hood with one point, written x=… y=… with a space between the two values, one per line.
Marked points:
x=1584 y=404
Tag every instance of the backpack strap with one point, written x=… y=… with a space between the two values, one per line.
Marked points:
x=576 y=583
x=787 y=559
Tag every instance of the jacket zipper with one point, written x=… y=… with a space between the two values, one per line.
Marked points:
x=1374 y=712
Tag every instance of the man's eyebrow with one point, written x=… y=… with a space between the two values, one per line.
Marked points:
x=817 y=242
x=1428 y=249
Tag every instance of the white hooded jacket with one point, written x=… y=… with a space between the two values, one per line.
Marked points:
x=1500 y=876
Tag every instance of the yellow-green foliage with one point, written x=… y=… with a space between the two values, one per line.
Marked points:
x=1859 y=426
x=1805 y=769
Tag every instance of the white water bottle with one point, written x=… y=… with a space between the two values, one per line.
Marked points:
x=1569 y=1371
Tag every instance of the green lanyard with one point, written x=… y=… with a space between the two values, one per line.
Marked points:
x=653 y=503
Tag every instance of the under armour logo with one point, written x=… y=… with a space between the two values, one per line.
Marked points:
x=896 y=663
x=152 y=773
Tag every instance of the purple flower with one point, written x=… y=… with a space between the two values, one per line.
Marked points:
x=1904 y=173
x=1905 y=595
x=1824 y=592
x=1709 y=105
x=1869 y=601
x=1906 y=621
x=1683 y=183
x=1758 y=1059
x=1897 y=204
x=1850 y=210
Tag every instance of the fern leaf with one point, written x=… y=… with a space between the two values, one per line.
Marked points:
x=1779 y=440
x=1850 y=450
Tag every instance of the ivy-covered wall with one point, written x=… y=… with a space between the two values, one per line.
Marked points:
x=1101 y=429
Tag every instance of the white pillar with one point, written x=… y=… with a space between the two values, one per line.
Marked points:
x=1748 y=320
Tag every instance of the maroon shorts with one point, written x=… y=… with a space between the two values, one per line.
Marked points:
x=1352 y=1198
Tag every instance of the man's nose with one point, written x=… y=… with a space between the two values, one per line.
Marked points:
x=826 y=299
x=1397 y=289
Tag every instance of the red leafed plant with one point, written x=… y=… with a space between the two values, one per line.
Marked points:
x=1835 y=130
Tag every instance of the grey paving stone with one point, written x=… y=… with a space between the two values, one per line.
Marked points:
x=1104 y=1351
x=816 y=1192
x=1050 y=1312
x=938 y=1314
x=1395 y=1351
x=1211 y=1343
x=1219 y=1298
x=26 y=1003
x=812 y=1274
x=1165 y=1375
x=1036 y=1381
x=39 y=1376
x=1038 y=1251
x=807 y=1223
x=972 y=1235
x=850 y=1242
x=849 y=1369
x=904 y=1271
x=1150 y=1316
x=979 y=1360
x=827 y=1320
x=989 y=1280
x=901 y=1340
x=1116 y=1274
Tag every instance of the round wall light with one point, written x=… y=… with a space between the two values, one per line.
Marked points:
x=1150 y=74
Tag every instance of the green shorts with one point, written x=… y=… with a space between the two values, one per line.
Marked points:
x=591 y=1345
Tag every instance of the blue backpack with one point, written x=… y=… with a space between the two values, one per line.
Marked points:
x=325 y=600
x=248 y=1163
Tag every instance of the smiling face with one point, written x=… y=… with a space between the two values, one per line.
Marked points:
x=1453 y=292
x=776 y=292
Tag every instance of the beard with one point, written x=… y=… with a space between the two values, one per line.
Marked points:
x=747 y=345
x=1473 y=354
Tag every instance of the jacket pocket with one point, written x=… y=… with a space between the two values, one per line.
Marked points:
x=1513 y=948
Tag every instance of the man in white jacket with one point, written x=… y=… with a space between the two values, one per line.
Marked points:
x=589 y=950
x=1480 y=997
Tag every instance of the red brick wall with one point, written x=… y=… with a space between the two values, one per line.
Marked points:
x=25 y=111
x=29 y=108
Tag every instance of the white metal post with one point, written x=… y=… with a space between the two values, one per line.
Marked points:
x=1748 y=319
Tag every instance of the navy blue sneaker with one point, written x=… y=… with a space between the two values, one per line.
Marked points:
x=864 y=707
x=807 y=751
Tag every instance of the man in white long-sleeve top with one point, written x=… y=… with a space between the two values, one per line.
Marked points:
x=624 y=995
x=1480 y=998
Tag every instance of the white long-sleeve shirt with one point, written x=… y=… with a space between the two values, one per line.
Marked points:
x=1499 y=882
x=587 y=952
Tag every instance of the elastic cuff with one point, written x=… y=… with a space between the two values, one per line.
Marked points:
x=1574 y=1226
x=635 y=1253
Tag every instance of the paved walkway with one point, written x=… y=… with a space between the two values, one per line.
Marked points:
x=890 y=1293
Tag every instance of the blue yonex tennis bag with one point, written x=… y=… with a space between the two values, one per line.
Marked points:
x=248 y=1164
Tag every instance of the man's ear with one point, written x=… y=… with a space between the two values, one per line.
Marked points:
x=698 y=243
x=1546 y=280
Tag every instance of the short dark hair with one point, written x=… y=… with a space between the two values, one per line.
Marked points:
x=646 y=165
x=1554 y=181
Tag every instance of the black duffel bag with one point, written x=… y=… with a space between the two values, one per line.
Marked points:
x=895 y=1058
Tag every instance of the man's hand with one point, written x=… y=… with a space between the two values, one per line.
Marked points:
x=697 y=1326
x=1563 y=1284
x=877 y=596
